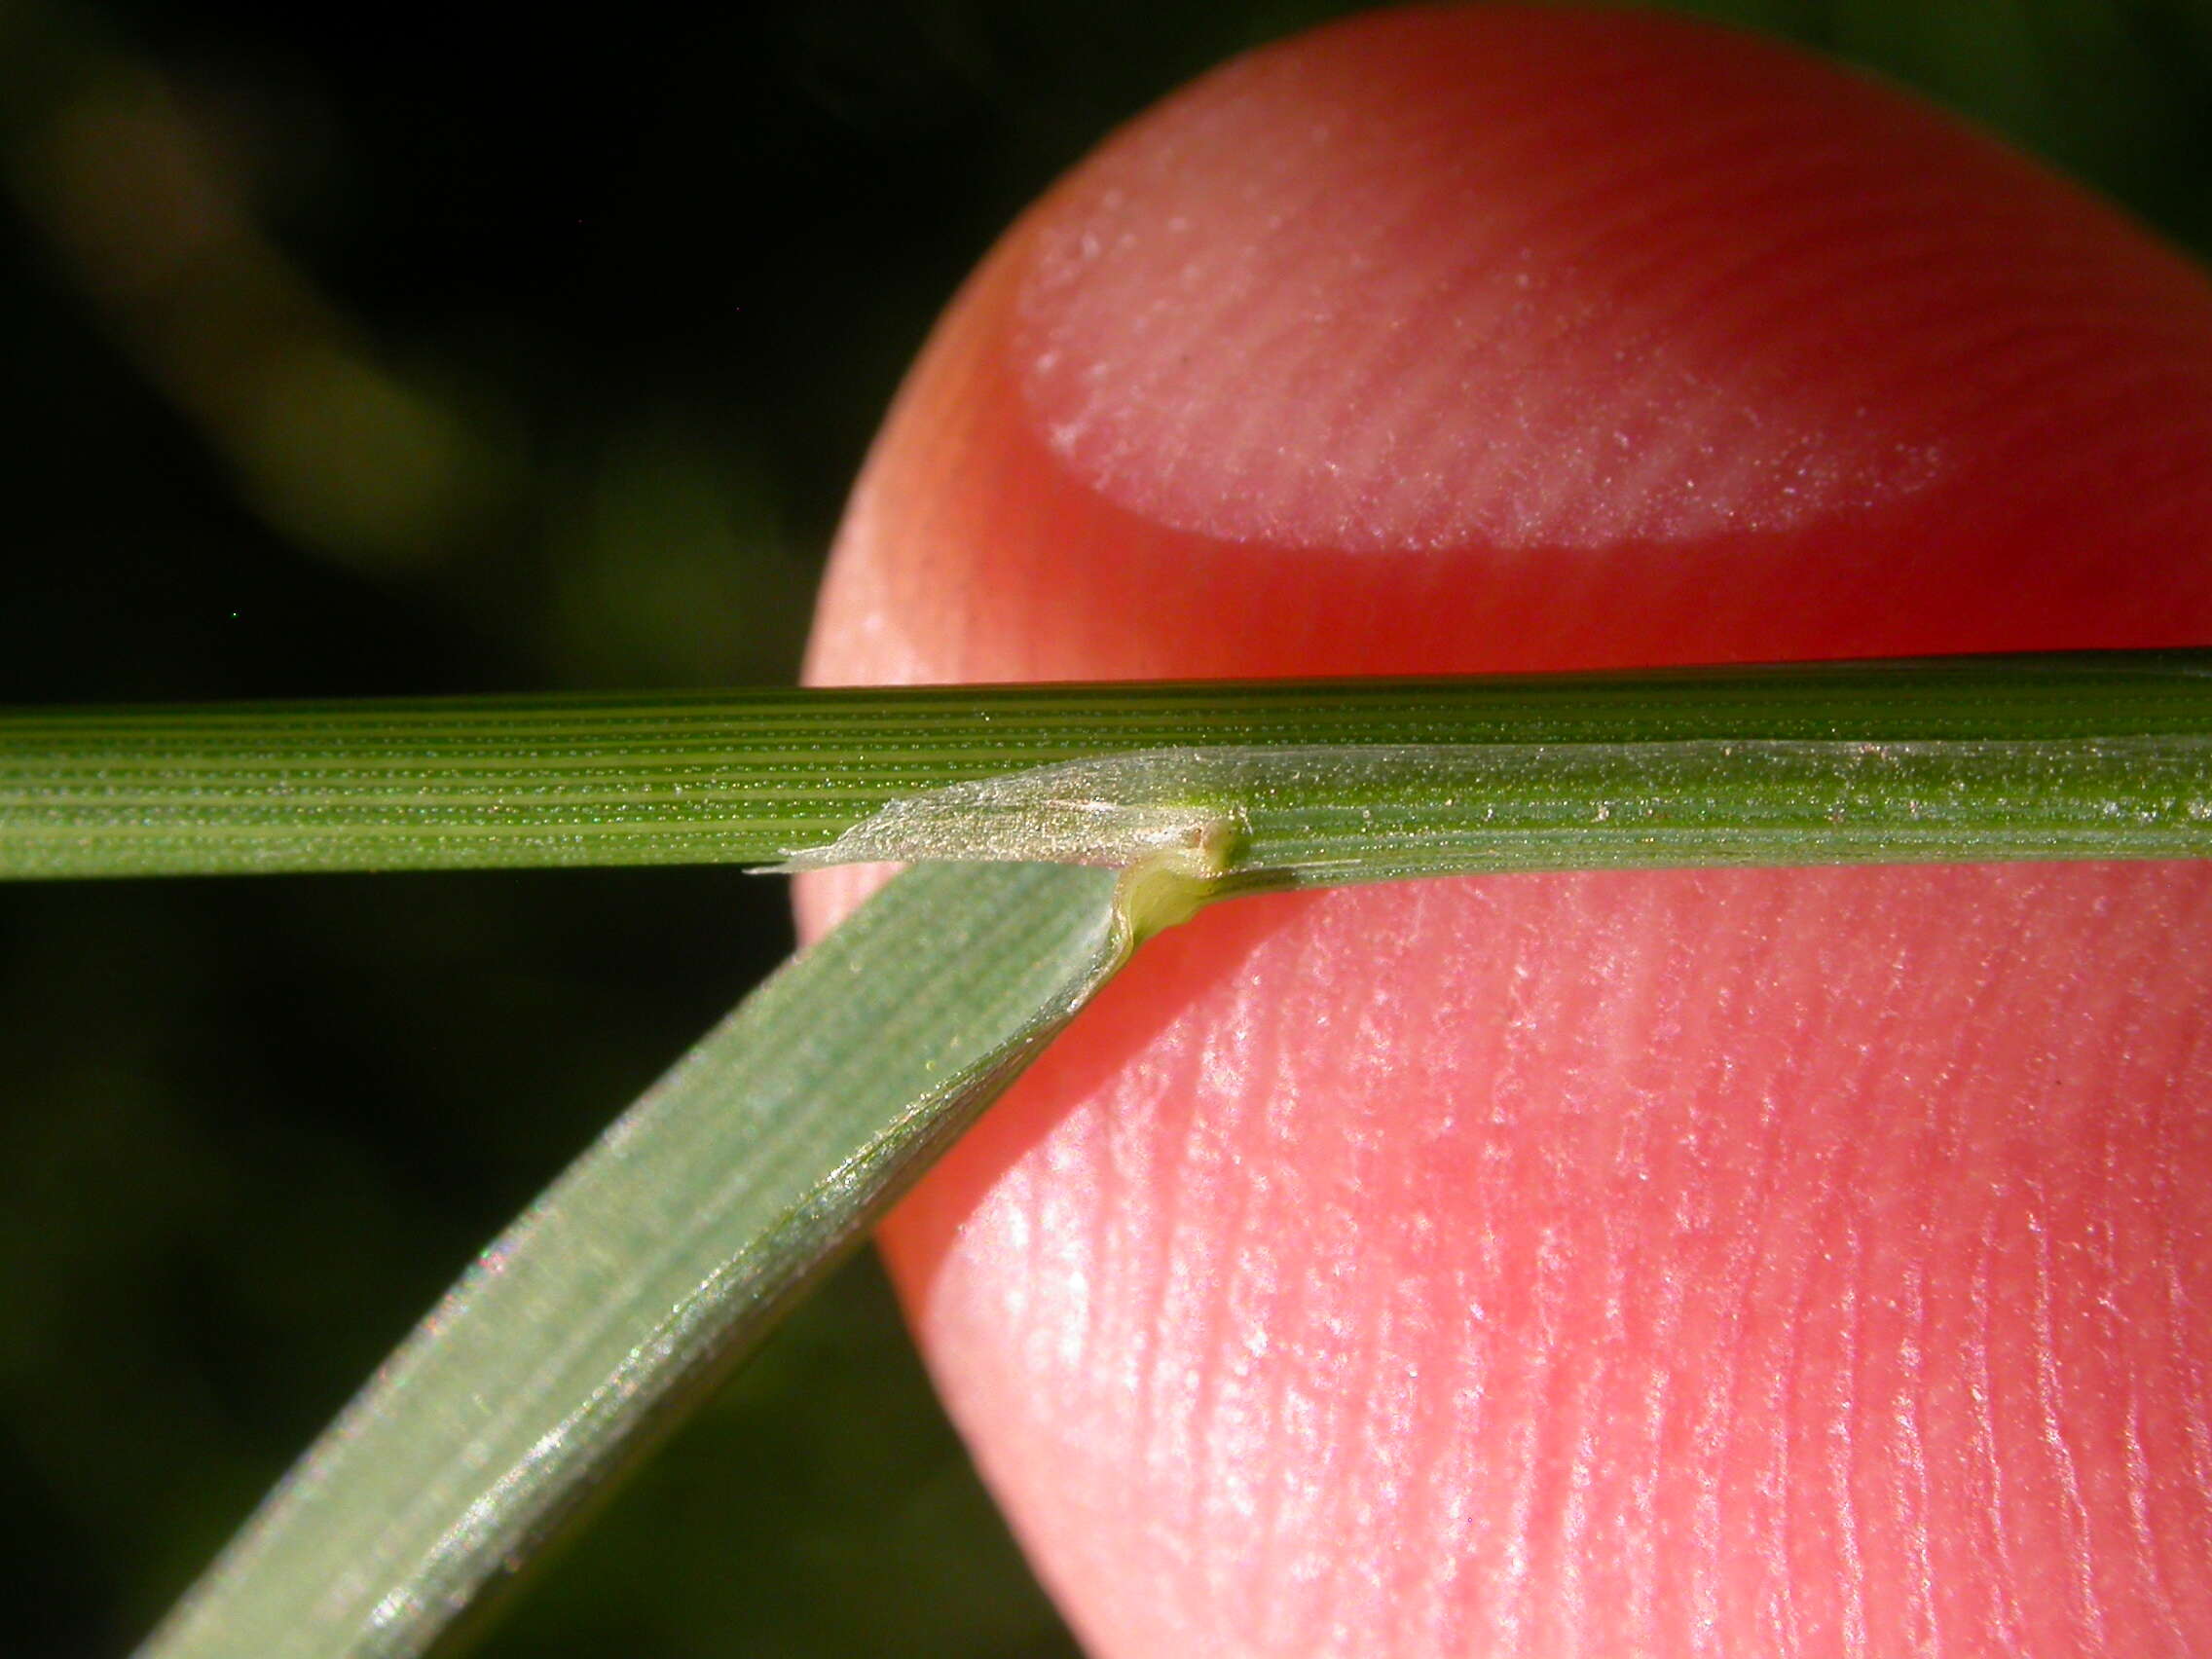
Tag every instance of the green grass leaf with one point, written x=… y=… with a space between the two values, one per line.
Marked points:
x=642 y=1276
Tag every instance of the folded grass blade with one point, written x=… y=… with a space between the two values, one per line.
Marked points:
x=647 y=1270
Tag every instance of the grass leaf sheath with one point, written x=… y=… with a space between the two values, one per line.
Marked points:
x=2080 y=756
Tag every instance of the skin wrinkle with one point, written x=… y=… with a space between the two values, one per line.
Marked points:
x=1332 y=1396
x=1562 y=1408
x=1098 y=1358
x=1750 y=344
x=1407 y=1594
x=1158 y=1359
x=2126 y=389
x=1906 y=1463
x=1183 y=1408
x=1067 y=1280
x=1863 y=1343
x=1449 y=1406
x=1660 y=467
x=2115 y=1287
x=1388 y=402
x=2134 y=1463
x=2145 y=384
x=1845 y=1446
x=1022 y=1238
x=1465 y=1410
x=1638 y=1314
x=1821 y=1328
x=1200 y=428
x=1359 y=1362
x=1602 y=1532
x=1581 y=1620
x=1229 y=1459
x=1645 y=1522
x=1698 y=1416
x=1875 y=1344
x=1279 y=1478
x=1119 y=1353
x=1407 y=1600
x=2047 y=1491
x=1786 y=1410
x=1962 y=1070
x=2079 y=1554
x=1910 y=1492
x=1775 y=1616
x=1893 y=255
x=1993 y=1502
x=1116 y=1347
x=1188 y=1273
x=2113 y=1329
x=1357 y=1367
x=1302 y=1482
x=1720 y=1517
x=1721 y=1430
x=2196 y=1398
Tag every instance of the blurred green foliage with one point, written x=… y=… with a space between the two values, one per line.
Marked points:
x=370 y=350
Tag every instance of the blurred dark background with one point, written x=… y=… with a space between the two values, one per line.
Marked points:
x=374 y=350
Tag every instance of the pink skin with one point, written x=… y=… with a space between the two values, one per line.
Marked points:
x=1764 y=1263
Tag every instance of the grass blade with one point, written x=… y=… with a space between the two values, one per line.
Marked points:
x=642 y=1274
x=2036 y=757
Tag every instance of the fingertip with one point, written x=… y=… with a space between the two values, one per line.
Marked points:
x=1466 y=339
x=1500 y=338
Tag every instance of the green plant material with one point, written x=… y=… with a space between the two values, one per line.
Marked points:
x=646 y=1271
x=643 y=1273
x=2092 y=755
x=1325 y=816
